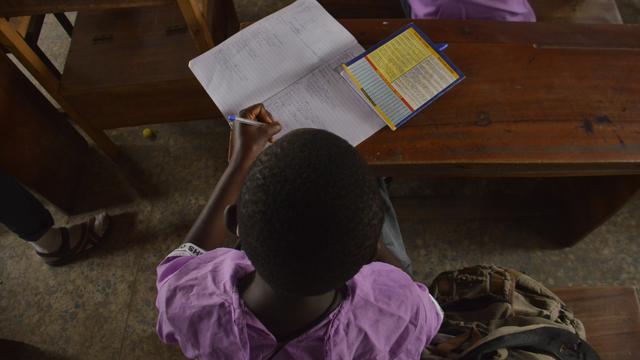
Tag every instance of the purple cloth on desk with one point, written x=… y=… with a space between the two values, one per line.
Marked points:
x=500 y=10
x=384 y=315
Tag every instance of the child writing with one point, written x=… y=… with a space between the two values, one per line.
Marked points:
x=313 y=279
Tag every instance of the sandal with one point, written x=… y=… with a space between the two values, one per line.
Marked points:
x=90 y=236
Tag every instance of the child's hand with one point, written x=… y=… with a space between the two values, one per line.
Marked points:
x=249 y=140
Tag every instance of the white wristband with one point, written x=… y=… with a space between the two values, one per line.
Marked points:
x=187 y=249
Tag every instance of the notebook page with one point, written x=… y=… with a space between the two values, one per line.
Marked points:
x=269 y=55
x=324 y=100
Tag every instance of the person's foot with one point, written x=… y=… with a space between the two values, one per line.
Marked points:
x=59 y=246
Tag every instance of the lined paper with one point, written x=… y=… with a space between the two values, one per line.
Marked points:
x=289 y=61
x=323 y=100
x=378 y=91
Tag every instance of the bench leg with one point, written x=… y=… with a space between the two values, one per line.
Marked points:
x=585 y=203
x=222 y=16
x=41 y=72
x=196 y=23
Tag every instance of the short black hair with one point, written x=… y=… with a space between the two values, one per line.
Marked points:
x=309 y=213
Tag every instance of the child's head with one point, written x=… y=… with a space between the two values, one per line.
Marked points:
x=310 y=213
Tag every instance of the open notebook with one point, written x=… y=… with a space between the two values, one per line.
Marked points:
x=290 y=61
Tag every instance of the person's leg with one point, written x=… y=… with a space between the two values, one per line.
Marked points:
x=391 y=235
x=21 y=212
x=24 y=215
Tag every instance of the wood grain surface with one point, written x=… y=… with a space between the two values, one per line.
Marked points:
x=538 y=100
x=368 y=9
x=128 y=67
x=611 y=317
x=9 y=8
x=38 y=146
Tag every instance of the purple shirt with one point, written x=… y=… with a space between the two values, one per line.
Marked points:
x=384 y=315
x=501 y=10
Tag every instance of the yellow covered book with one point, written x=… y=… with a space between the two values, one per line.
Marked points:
x=402 y=75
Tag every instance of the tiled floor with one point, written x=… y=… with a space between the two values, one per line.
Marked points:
x=102 y=307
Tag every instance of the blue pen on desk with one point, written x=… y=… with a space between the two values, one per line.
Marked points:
x=442 y=46
x=234 y=118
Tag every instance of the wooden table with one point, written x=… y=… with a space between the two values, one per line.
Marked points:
x=190 y=9
x=539 y=100
x=15 y=41
x=38 y=146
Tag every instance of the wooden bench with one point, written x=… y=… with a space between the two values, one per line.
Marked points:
x=611 y=316
x=37 y=145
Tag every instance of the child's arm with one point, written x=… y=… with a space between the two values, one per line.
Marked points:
x=209 y=230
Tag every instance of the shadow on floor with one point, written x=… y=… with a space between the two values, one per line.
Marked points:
x=102 y=185
x=17 y=350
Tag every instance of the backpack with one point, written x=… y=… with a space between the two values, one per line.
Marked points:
x=497 y=313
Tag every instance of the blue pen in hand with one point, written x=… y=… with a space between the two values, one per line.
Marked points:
x=234 y=118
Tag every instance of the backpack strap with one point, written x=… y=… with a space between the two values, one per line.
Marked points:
x=550 y=340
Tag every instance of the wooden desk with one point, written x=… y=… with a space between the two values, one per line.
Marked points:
x=38 y=146
x=15 y=41
x=190 y=10
x=143 y=77
x=539 y=100
x=33 y=7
